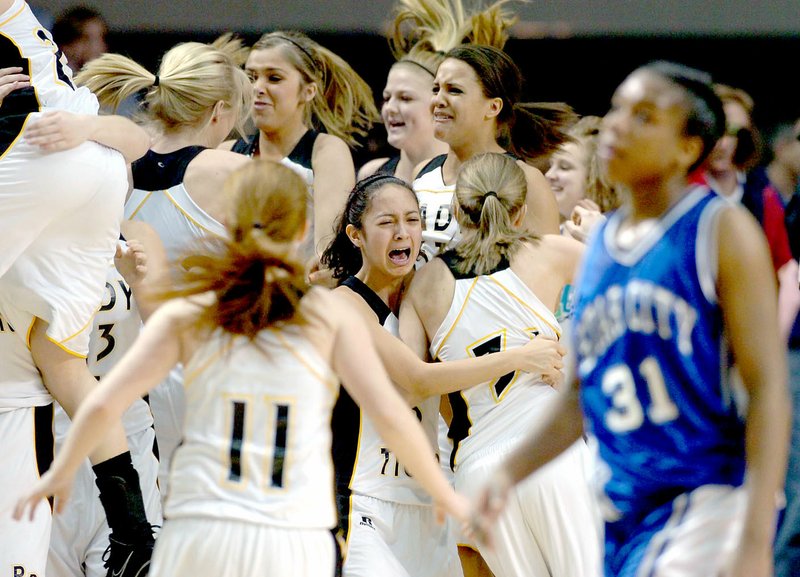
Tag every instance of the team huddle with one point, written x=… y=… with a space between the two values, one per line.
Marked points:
x=277 y=365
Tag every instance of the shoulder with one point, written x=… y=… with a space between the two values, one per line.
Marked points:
x=371 y=167
x=227 y=145
x=182 y=313
x=327 y=144
x=533 y=175
x=215 y=162
x=564 y=252
x=428 y=278
x=739 y=235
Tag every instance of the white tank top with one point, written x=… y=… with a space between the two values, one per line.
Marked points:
x=257 y=439
x=492 y=313
x=160 y=199
x=20 y=382
x=26 y=43
x=364 y=465
x=440 y=230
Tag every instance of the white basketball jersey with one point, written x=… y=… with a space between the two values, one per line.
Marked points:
x=257 y=439
x=160 y=199
x=364 y=464
x=26 y=43
x=20 y=382
x=440 y=230
x=492 y=313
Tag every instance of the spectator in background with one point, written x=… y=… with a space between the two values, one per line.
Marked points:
x=81 y=33
x=784 y=169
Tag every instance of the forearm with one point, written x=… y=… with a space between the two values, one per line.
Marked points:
x=121 y=134
x=767 y=440
x=434 y=379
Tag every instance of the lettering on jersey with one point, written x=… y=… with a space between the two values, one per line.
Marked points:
x=19 y=571
x=639 y=307
x=390 y=462
x=5 y=326
x=60 y=59
x=443 y=217
x=367 y=522
x=111 y=295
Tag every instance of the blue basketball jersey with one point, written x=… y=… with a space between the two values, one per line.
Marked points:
x=653 y=361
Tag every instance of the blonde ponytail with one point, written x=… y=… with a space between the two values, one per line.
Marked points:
x=490 y=192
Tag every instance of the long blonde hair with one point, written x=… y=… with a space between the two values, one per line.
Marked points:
x=257 y=279
x=192 y=78
x=424 y=30
x=490 y=193
x=585 y=132
x=343 y=105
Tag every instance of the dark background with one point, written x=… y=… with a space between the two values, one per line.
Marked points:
x=582 y=71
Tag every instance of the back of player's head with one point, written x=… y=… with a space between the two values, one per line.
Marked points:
x=705 y=117
x=341 y=255
x=491 y=190
x=255 y=274
x=191 y=80
x=342 y=105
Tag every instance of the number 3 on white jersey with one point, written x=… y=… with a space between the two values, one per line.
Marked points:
x=626 y=412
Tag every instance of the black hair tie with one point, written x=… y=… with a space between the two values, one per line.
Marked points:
x=156 y=82
x=488 y=194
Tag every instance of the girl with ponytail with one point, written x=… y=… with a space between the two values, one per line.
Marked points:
x=309 y=105
x=477 y=108
x=373 y=255
x=196 y=97
x=263 y=357
x=496 y=291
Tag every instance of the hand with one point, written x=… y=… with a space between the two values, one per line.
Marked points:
x=489 y=505
x=457 y=506
x=60 y=130
x=12 y=79
x=322 y=277
x=52 y=483
x=131 y=262
x=545 y=357
x=582 y=221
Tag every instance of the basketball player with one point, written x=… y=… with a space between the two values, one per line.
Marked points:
x=690 y=484
x=262 y=355
x=80 y=534
x=176 y=184
x=309 y=105
x=387 y=518
x=498 y=290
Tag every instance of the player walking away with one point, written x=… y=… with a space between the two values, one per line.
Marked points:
x=659 y=310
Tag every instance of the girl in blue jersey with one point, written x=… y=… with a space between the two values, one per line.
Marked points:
x=661 y=306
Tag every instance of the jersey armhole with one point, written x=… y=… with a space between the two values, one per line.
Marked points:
x=707 y=248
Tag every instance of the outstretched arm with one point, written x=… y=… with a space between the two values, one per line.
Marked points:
x=357 y=363
x=750 y=314
x=60 y=130
x=146 y=364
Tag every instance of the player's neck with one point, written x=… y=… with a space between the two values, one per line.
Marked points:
x=173 y=140
x=279 y=143
x=654 y=199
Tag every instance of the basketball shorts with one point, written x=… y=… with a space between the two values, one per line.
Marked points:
x=60 y=216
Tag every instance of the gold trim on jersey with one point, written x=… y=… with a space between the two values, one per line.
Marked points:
x=10 y=18
x=35 y=91
x=190 y=376
x=556 y=329
x=332 y=384
x=503 y=333
x=66 y=350
x=28 y=333
x=455 y=322
x=229 y=400
x=141 y=204
x=351 y=481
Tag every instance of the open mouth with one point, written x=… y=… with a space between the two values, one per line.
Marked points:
x=400 y=256
x=396 y=124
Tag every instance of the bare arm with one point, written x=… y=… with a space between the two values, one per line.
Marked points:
x=788 y=298
x=542 y=215
x=334 y=178
x=145 y=365
x=61 y=130
x=750 y=314
x=370 y=168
